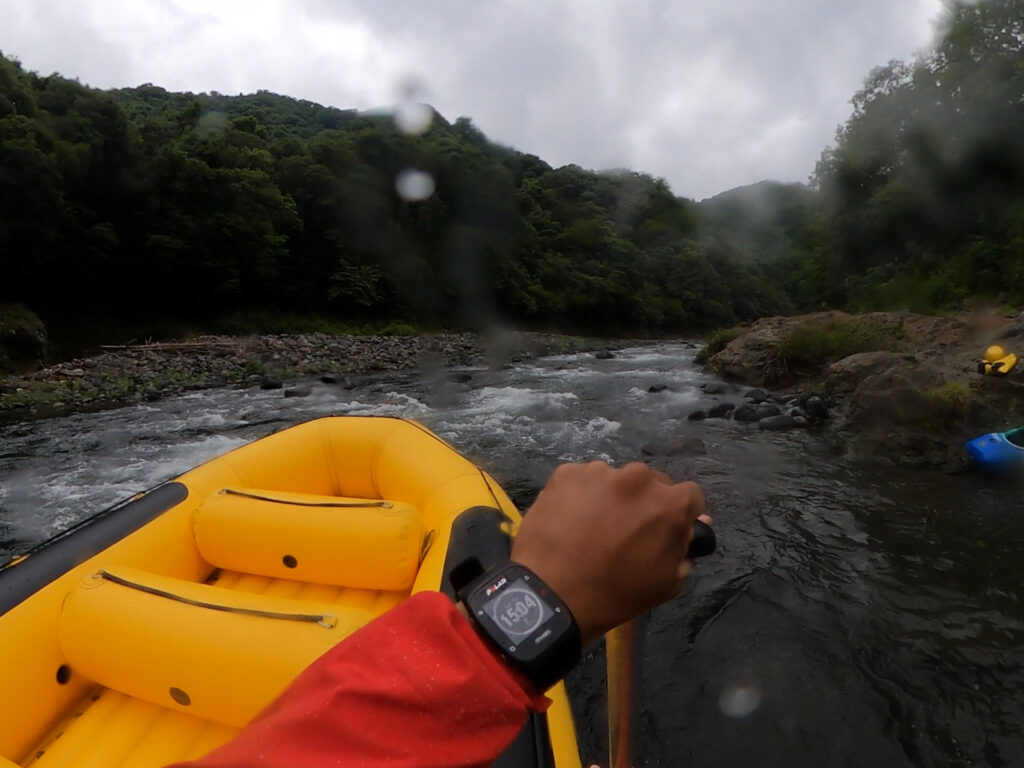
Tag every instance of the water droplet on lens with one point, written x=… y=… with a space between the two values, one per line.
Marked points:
x=739 y=701
x=211 y=123
x=413 y=118
x=413 y=185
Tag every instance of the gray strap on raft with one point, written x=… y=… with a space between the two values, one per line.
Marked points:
x=324 y=620
x=233 y=492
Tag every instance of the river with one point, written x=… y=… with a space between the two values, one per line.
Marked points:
x=851 y=616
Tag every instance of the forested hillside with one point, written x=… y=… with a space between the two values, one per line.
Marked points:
x=140 y=204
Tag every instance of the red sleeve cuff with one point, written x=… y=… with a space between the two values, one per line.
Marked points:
x=417 y=681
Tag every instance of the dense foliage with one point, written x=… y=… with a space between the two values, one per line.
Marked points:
x=139 y=204
x=924 y=190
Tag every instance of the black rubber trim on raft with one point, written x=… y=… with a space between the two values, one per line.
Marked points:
x=531 y=747
x=27 y=574
x=477 y=532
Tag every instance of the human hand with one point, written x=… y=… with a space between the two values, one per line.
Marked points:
x=610 y=542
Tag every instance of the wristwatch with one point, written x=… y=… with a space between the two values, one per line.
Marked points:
x=513 y=609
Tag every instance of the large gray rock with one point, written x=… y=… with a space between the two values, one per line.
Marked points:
x=845 y=375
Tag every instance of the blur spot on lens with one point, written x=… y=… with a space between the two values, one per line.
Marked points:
x=413 y=118
x=739 y=701
x=211 y=123
x=413 y=185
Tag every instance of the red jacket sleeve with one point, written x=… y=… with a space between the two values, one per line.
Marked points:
x=415 y=688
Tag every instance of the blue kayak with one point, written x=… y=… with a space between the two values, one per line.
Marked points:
x=998 y=450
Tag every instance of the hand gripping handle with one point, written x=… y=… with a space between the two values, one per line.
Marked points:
x=703 y=541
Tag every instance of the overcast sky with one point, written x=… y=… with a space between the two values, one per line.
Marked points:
x=709 y=94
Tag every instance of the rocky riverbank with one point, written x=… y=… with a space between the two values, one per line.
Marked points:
x=897 y=387
x=151 y=371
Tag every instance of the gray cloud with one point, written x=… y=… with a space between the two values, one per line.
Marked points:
x=709 y=94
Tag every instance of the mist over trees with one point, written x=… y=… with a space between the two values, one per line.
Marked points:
x=140 y=204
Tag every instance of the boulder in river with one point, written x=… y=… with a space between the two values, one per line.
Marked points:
x=655 y=388
x=269 y=382
x=755 y=395
x=604 y=354
x=721 y=411
x=766 y=410
x=746 y=412
x=298 y=392
x=816 y=408
x=776 y=423
x=717 y=387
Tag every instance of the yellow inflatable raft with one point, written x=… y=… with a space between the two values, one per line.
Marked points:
x=152 y=632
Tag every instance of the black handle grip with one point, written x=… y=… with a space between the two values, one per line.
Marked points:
x=703 y=541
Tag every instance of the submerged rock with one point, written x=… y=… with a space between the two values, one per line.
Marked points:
x=721 y=411
x=717 y=387
x=679 y=445
x=782 y=421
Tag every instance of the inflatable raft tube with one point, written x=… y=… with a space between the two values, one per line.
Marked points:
x=151 y=632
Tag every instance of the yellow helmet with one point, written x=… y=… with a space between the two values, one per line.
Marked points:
x=993 y=353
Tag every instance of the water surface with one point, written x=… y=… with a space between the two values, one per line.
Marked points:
x=852 y=616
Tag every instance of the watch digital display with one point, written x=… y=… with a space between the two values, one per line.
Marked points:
x=517 y=610
x=535 y=631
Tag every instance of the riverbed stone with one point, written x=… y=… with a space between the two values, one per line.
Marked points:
x=756 y=395
x=816 y=408
x=169 y=368
x=721 y=411
x=746 y=412
x=778 y=422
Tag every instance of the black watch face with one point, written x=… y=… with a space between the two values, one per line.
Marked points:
x=517 y=610
x=520 y=613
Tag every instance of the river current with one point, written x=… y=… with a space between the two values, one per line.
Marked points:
x=851 y=616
